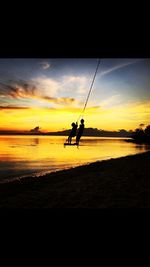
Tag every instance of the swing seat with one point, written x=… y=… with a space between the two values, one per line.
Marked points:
x=73 y=144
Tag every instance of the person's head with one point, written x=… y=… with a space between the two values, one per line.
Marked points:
x=82 y=121
x=73 y=124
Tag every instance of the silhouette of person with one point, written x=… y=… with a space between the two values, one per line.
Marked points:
x=73 y=132
x=80 y=131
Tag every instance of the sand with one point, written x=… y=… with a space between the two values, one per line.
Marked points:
x=114 y=183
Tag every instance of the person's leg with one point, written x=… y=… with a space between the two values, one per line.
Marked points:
x=69 y=139
x=77 y=139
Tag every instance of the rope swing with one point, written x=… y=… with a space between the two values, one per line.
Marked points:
x=73 y=131
x=89 y=90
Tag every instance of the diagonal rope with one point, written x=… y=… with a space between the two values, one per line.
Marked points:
x=90 y=89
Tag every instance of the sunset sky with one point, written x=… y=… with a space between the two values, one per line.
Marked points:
x=50 y=93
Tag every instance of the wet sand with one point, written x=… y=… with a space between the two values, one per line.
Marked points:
x=114 y=183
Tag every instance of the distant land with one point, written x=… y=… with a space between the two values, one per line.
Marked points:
x=87 y=132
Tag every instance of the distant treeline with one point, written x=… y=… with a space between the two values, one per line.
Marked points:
x=87 y=132
x=140 y=135
x=96 y=132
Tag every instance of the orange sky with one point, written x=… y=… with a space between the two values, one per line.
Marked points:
x=51 y=93
x=127 y=117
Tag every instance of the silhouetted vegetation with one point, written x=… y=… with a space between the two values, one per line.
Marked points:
x=35 y=130
x=141 y=135
x=97 y=133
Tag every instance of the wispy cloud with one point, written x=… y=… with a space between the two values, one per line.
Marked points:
x=45 y=65
x=111 y=101
x=46 y=86
x=79 y=84
x=16 y=90
x=43 y=88
x=21 y=90
x=12 y=107
x=57 y=100
x=120 y=66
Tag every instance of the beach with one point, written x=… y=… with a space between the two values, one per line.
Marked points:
x=116 y=183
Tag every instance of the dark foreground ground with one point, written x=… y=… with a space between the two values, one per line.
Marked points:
x=123 y=182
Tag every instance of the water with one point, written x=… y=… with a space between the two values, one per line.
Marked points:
x=36 y=155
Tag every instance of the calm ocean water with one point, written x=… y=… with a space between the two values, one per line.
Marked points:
x=36 y=155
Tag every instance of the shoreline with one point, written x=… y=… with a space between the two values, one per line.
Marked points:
x=38 y=176
x=120 y=182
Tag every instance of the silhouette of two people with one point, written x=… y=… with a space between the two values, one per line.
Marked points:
x=74 y=132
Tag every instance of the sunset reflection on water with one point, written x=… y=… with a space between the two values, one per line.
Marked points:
x=26 y=155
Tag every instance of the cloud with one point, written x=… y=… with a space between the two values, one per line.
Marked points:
x=45 y=65
x=22 y=89
x=44 y=89
x=120 y=66
x=46 y=86
x=111 y=101
x=17 y=89
x=12 y=107
x=28 y=91
x=79 y=84
x=59 y=100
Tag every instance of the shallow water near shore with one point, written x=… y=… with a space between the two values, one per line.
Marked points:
x=22 y=156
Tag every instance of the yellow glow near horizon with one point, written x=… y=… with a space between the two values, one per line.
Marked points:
x=126 y=117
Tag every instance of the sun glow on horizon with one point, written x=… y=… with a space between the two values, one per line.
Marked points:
x=127 y=117
x=53 y=95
